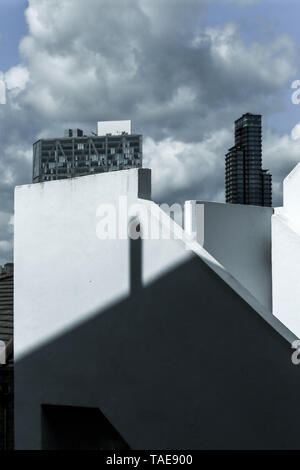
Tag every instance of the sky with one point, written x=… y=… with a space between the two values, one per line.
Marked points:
x=182 y=70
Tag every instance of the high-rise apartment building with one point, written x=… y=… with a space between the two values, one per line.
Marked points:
x=76 y=154
x=246 y=181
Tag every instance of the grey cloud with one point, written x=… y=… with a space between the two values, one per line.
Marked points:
x=182 y=85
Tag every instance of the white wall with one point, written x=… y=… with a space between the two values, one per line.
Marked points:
x=291 y=197
x=286 y=254
x=82 y=338
x=63 y=272
x=239 y=237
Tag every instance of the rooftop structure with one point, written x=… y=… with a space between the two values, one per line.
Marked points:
x=114 y=127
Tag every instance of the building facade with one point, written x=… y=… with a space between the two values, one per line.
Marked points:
x=8 y=268
x=246 y=181
x=120 y=339
x=76 y=154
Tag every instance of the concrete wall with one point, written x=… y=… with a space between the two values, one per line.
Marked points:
x=291 y=198
x=286 y=255
x=56 y=247
x=239 y=237
x=183 y=363
x=172 y=349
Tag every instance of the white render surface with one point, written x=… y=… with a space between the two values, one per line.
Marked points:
x=286 y=254
x=239 y=237
x=65 y=275
x=109 y=324
x=71 y=271
x=114 y=127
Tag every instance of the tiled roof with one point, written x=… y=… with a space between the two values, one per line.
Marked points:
x=6 y=307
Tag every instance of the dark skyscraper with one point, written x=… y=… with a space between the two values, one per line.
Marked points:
x=246 y=181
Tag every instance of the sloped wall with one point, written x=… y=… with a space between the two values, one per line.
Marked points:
x=286 y=255
x=176 y=360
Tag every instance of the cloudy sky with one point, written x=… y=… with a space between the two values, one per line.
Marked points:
x=182 y=70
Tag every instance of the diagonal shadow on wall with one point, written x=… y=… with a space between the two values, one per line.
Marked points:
x=182 y=363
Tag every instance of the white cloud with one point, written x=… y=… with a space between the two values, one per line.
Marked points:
x=188 y=168
x=17 y=77
x=5 y=246
x=148 y=60
x=295 y=134
x=272 y=65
